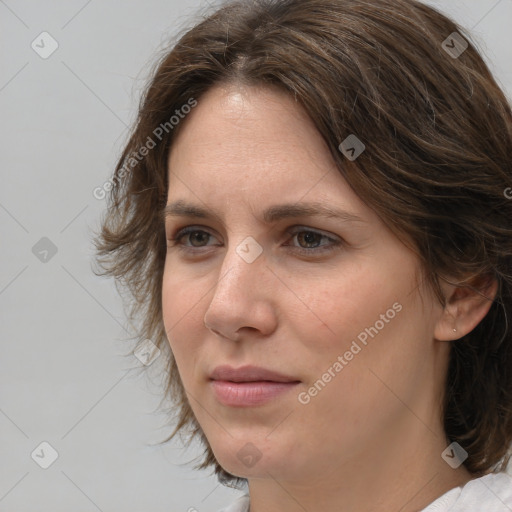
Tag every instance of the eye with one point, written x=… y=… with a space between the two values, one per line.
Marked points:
x=309 y=240
x=313 y=238
x=194 y=234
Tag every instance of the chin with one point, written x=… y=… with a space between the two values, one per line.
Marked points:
x=244 y=461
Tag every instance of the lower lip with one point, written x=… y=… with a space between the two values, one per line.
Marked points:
x=247 y=394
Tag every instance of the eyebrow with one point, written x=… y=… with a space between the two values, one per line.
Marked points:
x=273 y=214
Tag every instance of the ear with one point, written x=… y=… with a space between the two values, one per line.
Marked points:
x=465 y=307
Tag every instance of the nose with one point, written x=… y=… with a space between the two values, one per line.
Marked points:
x=243 y=300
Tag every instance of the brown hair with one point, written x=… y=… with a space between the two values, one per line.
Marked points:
x=438 y=158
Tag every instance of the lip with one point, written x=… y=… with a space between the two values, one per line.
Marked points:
x=249 y=373
x=249 y=394
x=249 y=386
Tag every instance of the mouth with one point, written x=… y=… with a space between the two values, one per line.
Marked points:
x=249 y=374
x=249 y=386
x=249 y=394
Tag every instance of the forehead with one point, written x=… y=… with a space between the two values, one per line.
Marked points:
x=249 y=136
x=255 y=149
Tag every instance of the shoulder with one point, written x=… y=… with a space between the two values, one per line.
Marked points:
x=492 y=493
x=493 y=490
x=240 y=505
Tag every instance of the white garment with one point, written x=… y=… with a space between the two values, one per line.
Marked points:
x=240 y=505
x=489 y=493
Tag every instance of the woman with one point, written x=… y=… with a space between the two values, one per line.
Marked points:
x=311 y=214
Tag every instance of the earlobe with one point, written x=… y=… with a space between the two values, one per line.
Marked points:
x=466 y=306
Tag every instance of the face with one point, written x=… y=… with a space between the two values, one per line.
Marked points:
x=333 y=303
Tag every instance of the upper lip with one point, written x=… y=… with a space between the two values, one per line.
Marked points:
x=249 y=374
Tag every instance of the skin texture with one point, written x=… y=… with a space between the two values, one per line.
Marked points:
x=372 y=438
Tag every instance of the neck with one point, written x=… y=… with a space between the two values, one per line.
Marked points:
x=401 y=471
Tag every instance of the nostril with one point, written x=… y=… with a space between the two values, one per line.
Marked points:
x=233 y=337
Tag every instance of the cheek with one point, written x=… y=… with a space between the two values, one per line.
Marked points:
x=182 y=295
x=367 y=317
x=378 y=329
x=182 y=303
x=332 y=310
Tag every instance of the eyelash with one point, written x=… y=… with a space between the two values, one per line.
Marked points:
x=176 y=240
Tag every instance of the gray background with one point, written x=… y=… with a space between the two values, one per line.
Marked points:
x=64 y=375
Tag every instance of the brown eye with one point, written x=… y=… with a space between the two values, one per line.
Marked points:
x=309 y=238
x=197 y=238
x=193 y=236
x=310 y=242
